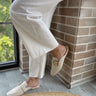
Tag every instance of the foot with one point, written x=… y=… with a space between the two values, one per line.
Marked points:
x=32 y=82
x=59 y=51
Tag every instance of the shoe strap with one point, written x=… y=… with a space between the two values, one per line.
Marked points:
x=22 y=89
x=23 y=85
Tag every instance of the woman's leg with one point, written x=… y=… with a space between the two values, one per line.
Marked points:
x=37 y=66
x=36 y=70
x=58 y=52
x=38 y=41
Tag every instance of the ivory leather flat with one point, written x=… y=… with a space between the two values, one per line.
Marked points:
x=57 y=64
x=20 y=89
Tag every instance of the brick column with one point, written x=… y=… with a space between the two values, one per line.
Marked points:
x=85 y=51
x=73 y=24
x=24 y=57
x=65 y=28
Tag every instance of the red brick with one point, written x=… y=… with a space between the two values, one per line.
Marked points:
x=88 y=3
x=91 y=46
x=80 y=48
x=86 y=12
x=82 y=69
x=89 y=73
x=67 y=29
x=93 y=30
x=69 y=11
x=71 y=3
x=72 y=21
x=77 y=77
x=78 y=63
x=70 y=39
x=59 y=19
x=83 y=31
x=86 y=39
x=84 y=55
x=58 y=34
x=87 y=22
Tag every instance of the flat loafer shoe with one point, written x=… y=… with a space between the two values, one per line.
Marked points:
x=20 y=89
x=57 y=64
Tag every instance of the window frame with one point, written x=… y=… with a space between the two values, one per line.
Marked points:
x=14 y=63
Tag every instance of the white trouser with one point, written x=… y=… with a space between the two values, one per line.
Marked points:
x=32 y=20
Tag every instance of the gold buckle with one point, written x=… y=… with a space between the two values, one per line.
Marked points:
x=55 y=62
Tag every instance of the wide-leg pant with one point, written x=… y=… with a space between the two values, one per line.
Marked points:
x=32 y=19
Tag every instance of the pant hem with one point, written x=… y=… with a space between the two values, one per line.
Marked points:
x=40 y=77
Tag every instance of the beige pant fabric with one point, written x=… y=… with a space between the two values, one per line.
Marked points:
x=32 y=19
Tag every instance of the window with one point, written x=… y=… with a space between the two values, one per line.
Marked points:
x=9 y=41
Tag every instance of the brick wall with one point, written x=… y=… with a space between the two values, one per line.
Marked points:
x=65 y=28
x=85 y=50
x=73 y=24
x=24 y=57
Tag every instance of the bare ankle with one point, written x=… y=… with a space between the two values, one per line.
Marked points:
x=55 y=50
x=32 y=81
x=59 y=51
